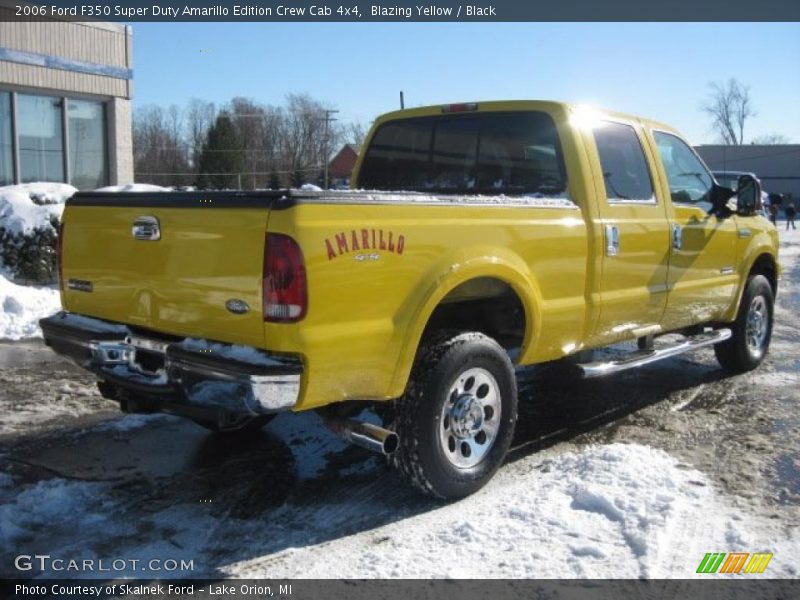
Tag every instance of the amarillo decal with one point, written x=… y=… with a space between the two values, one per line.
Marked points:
x=357 y=240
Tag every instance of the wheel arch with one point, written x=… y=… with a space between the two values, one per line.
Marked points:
x=766 y=265
x=498 y=265
x=760 y=260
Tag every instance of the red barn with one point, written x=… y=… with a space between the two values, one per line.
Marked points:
x=341 y=166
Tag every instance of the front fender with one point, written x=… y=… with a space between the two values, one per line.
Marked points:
x=447 y=273
x=763 y=243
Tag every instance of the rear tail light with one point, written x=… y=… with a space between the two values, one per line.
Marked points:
x=285 y=289
x=59 y=255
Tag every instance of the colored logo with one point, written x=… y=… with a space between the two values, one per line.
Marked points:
x=735 y=562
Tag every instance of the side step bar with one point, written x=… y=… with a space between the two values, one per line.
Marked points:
x=651 y=355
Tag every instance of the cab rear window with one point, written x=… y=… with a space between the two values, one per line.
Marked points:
x=483 y=153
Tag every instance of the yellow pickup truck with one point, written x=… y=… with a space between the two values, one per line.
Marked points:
x=478 y=237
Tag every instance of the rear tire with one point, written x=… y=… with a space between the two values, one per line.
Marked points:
x=752 y=330
x=456 y=421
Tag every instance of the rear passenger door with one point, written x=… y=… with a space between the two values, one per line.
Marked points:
x=633 y=284
x=702 y=274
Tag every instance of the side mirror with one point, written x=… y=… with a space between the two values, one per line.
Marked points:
x=748 y=195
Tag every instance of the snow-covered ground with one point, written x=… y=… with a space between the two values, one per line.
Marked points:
x=611 y=511
x=702 y=463
x=21 y=307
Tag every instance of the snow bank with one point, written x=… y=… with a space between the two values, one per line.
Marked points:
x=615 y=511
x=30 y=206
x=134 y=187
x=61 y=506
x=21 y=307
x=27 y=215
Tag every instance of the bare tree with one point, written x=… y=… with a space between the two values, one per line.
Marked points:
x=729 y=107
x=200 y=116
x=159 y=146
x=355 y=133
x=277 y=144
x=304 y=144
x=250 y=121
x=770 y=139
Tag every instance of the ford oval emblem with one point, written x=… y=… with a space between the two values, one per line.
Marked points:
x=236 y=306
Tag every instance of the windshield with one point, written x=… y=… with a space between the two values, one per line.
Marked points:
x=478 y=153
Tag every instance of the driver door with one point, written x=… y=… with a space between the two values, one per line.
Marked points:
x=702 y=276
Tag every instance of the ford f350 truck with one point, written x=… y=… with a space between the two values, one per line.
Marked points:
x=477 y=237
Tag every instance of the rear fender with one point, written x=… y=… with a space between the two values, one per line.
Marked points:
x=450 y=271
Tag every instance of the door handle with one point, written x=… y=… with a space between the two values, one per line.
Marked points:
x=677 y=236
x=612 y=240
x=146 y=228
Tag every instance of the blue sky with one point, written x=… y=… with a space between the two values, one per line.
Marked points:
x=657 y=70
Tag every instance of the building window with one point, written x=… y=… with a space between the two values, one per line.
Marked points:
x=87 y=144
x=40 y=138
x=40 y=123
x=6 y=146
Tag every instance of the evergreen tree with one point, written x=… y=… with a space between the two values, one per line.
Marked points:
x=274 y=181
x=222 y=157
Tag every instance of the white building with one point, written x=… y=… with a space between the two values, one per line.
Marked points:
x=65 y=90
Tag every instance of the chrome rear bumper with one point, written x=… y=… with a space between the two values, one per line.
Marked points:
x=197 y=373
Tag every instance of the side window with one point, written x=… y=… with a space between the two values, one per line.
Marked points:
x=625 y=170
x=688 y=179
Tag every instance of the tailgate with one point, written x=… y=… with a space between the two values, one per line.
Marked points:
x=209 y=251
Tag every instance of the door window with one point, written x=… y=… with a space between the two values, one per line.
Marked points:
x=689 y=180
x=625 y=171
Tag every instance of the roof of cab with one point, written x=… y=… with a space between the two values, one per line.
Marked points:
x=548 y=106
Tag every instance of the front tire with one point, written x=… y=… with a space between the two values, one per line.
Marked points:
x=456 y=421
x=752 y=330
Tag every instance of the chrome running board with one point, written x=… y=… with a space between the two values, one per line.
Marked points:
x=651 y=355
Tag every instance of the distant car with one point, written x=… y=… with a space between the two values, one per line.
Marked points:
x=730 y=179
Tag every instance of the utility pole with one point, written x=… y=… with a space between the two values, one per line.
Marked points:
x=326 y=140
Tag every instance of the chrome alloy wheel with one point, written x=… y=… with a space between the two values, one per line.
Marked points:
x=757 y=326
x=470 y=418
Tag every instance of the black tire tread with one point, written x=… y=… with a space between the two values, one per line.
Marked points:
x=732 y=354
x=406 y=460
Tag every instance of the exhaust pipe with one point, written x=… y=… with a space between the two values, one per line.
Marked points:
x=366 y=435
